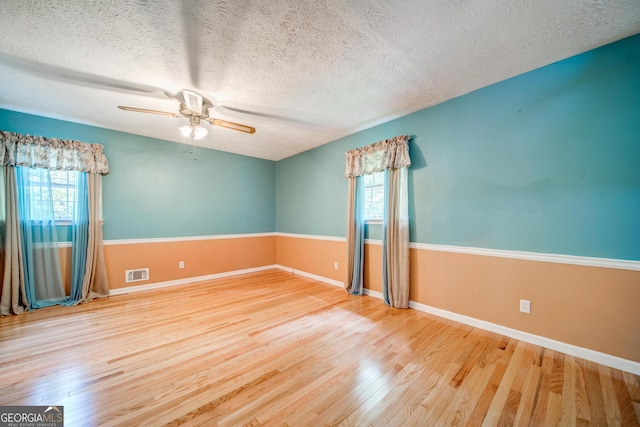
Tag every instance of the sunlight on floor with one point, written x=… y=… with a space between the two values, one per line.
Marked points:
x=58 y=388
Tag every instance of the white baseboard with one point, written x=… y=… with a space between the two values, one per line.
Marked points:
x=168 y=283
x=584 y=353
x=374 y=294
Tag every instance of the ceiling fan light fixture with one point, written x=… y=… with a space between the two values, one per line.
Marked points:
x=186 y=130
x=199 y=132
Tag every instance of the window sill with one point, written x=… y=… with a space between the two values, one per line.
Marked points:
x=373 y=221
x=58 y=222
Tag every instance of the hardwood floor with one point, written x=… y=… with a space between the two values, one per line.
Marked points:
x=272 y=348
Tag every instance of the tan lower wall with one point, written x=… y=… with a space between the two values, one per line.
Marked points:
x=65 y=264
x=590 y=307
x=201 y=258
x=312 y=256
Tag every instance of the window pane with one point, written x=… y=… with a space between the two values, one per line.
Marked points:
x=373 y=196
x=58 y=177
x=62 y=194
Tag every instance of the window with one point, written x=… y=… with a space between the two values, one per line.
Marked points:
x=63 y=193
x=373 y=196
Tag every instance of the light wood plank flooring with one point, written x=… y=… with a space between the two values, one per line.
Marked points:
x=272 y=348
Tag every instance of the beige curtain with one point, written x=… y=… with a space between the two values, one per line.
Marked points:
x=351 y=231
x=391 y=155
x=3 y=220
x=13 y=297
x=396 y=240
x=95 y=284
x=354 y=283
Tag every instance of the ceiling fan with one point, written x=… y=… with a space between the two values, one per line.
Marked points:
x=194 y=109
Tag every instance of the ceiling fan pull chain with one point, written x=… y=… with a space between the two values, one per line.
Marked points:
x=193 y=147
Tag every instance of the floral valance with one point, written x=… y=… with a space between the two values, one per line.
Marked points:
x=51 y=153
x=387 y=154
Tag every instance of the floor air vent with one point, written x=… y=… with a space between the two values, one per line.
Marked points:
x=136 y=275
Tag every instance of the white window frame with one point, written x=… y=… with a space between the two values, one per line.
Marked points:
x=374 y=183
x=70 y=195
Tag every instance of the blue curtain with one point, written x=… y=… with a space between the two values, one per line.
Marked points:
x=357 y=283
x=79 y=238
x=41 y=260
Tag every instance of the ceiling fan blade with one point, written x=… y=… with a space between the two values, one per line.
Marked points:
x=232 y=125
x=79 y=78
x=281 y=119
x=192 y=26
x=144 y=110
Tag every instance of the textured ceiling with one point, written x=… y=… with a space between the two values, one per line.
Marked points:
x=304 y=73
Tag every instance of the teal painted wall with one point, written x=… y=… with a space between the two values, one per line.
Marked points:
x=156 y=189
x=548 y=161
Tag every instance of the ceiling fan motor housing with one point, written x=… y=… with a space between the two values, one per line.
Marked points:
x=203 y=114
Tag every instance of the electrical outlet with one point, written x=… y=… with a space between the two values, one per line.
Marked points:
x=335 y=265
x=525 y=306
x=181 y=264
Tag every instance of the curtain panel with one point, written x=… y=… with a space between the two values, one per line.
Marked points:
x=3 y=221
x=13 y=299
x=39 y=242
x=94 y=283
x=395 y=240
x=51 y=153
x=355 y=238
